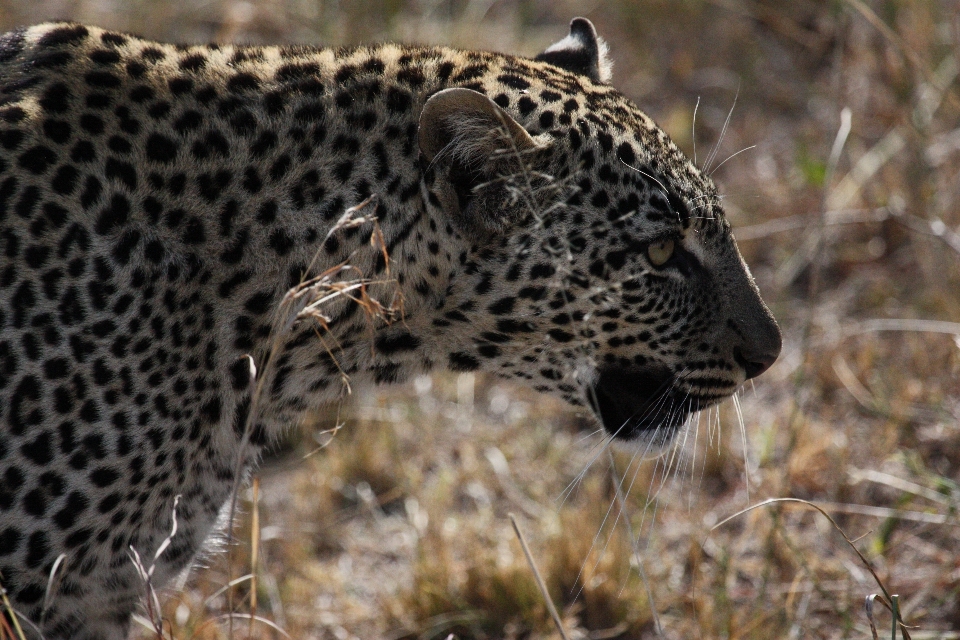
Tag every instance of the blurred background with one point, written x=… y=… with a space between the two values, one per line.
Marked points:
x=835 y=131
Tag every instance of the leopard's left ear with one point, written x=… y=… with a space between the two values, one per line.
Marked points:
x=583 y=52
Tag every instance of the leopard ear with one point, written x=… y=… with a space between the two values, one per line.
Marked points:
x=470 y=127
x=474 y=150
x=583 y=52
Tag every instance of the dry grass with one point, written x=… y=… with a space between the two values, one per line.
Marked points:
x=398 y=527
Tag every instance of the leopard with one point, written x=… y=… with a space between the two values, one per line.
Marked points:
x=202 y=244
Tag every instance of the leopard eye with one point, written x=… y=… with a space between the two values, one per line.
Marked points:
x=660 y=252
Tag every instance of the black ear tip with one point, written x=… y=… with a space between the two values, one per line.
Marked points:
x=581 y=51
x=583 y=30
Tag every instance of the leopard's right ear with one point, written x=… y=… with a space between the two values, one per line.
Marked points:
x=473 y=150
x=469 y=126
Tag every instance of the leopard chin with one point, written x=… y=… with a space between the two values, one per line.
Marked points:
x=642 y=404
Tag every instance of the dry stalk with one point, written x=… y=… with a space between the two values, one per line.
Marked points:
x=16 y=632
x=887 y=597
x=306 y=301
x=536 y=576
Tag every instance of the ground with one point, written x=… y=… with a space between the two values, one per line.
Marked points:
x=397 y=525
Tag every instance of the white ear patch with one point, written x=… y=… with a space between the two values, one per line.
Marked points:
x=604 y=63
x=582 y=51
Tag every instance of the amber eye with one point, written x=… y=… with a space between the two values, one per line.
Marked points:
x=660 y=252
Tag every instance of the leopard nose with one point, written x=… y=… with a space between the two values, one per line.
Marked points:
x=754 y=364
x=757 y=356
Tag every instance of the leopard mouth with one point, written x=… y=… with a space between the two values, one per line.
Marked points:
x=641 y=403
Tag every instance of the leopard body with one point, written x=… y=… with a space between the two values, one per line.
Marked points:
x=200 y=244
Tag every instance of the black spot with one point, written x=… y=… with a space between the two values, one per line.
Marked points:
x=606 y=141
x=212 y=144
x=227 y=287
x=109 y=503
x=91 y=192
x=102 y=79
x=470 y=72
x=542 y=270
x=617 y=259
x=160 y=148
x=212 y=411
x=113 y=39
x=159 y=110
x=57 y=130
x=104 y=476
x=460 y=361
x=188 y=121
x=513 y=81
x=37 y=159
x=99 y=100
x=280 y=167
x=119 y=144
x=240 y=374
x=251 y=181
x=37 y=550
x=281 y=242
x=40 y=449
x=387 y=373
x=526 y=106
x=488 y=350
x=9 y=537
x=83 y=151
x=411 y=76
x=152 y=54
x=211 y=186
x=243 y=82
x=343 y=170
x=66 y=35
x=114 y=215
x=266 y=141
x=105 y=56
x=65 y=180
x=11 y=138
x=391 y=344
x=92 y=123
x=193 y=62
x=56 y=368
x=12 y=115
x=179 y=86
x=514 y=326
x=259 y=303
x=398 y=100
x=123 y=171
x=124 y=247
x=27 y=202
x=75 y=506
x=502 y=306
x=293 y=72
x=194 y=231
x=141 y=94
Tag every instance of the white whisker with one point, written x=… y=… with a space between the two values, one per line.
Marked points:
x=723 y=131
x=693 y=133
x=753 y=146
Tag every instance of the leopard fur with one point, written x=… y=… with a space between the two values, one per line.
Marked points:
x=199 y=244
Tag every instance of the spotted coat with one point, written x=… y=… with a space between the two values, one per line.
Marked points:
x=198 y=244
